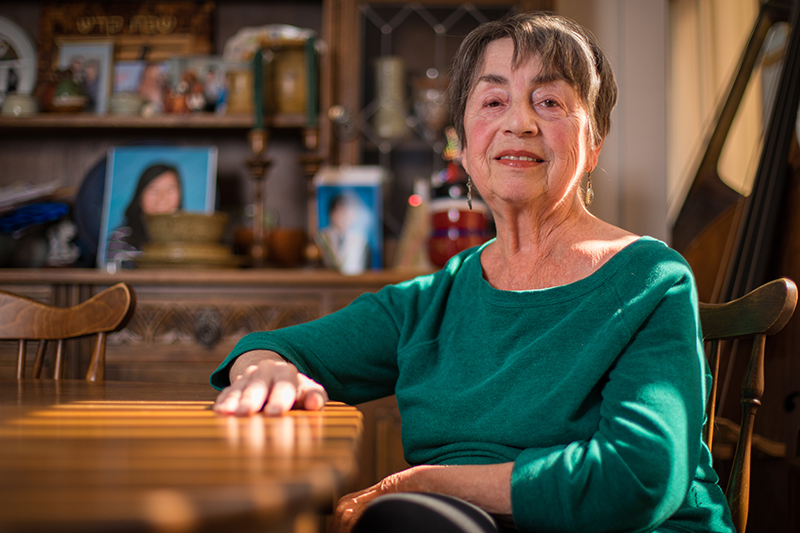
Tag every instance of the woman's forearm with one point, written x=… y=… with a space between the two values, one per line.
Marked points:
x=487 y=486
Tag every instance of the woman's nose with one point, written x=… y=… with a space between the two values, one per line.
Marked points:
x=521 y=119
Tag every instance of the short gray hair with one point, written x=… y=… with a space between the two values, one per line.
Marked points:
x=566 y=49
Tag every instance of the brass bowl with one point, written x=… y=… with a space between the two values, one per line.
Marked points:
x=187 y=227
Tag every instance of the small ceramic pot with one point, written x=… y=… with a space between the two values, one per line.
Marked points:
x=125 y=104
x=185 y=227
x=18 y=105
x=286 y=246
x=454 y=227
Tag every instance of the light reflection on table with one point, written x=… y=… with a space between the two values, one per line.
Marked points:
x=76 y=456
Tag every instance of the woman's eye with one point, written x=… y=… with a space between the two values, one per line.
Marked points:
x=549 y=103
x=492 y=103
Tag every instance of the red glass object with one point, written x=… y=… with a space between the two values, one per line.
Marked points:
x=455 y=228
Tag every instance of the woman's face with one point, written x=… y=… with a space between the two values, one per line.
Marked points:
x=162 y=196
x=526 y=136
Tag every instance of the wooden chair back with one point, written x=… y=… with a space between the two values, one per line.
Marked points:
x=758 y=314
x=23 y=319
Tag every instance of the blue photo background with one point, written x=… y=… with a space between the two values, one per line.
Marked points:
x=370 y=197
x=197 y=166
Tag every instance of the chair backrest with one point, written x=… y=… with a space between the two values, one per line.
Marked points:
x=758 y=314
x=24 y=319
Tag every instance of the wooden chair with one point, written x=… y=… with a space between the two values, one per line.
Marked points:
x=762 y=312
x=23 y=319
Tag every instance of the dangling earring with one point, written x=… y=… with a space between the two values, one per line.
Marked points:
x=588 y=194
x=469 y=192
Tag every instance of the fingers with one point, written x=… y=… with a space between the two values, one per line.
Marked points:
x=252 y=397
x=282 y=396
x=350 y=508
x=311 y=395
x=274 y=386
x=228 y=400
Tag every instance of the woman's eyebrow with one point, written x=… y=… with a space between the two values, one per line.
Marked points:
x=494 y=79
x=539 y=79
x=543 y=78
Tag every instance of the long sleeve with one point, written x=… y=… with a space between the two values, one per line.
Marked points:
x=353 y=352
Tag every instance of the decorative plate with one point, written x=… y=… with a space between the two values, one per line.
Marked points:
x=17 y=55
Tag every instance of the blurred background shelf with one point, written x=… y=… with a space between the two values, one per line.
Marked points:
x=198 y=120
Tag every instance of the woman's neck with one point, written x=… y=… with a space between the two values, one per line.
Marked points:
x=542 y=252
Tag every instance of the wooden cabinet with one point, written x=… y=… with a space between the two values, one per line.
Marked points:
x=187 y=321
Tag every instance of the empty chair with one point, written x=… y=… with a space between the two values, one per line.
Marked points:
x=24 y=319
x=758 y=314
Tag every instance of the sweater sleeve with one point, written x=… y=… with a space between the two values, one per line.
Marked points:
x=352 y=352
x=635 y=470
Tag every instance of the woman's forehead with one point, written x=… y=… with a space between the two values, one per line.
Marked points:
x=504 y=52
x=499 y=56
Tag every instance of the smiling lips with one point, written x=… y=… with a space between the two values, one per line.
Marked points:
x=519 y=157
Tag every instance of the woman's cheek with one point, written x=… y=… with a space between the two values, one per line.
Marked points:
x=478 y=142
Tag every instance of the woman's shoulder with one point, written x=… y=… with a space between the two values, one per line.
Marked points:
x=648 y=263
x=651 y=250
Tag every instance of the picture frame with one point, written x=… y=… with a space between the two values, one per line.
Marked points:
x=92 y=67
x=149 y=80
x=162 y=29
x=130 y=171
x=350 y=217
x=128 y=74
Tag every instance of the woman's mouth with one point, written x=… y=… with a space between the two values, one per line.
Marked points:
x=520 y=158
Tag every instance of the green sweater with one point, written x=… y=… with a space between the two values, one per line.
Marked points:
x=596 y=389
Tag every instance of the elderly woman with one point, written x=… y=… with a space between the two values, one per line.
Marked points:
x=552 y=377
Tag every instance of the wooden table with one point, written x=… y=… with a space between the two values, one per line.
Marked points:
x=115 y=456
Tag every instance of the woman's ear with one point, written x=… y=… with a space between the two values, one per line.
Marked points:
x=593 y=156
x=461 y=155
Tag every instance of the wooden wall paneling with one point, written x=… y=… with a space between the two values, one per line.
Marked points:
x=186 y=322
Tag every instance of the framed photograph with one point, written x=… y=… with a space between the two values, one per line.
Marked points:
x=147 y=79
x=142 y=180
x=127 y=76
x=350 y=218
x=91 y=63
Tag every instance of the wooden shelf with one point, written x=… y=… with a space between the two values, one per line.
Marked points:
x=303 y=277
x=183 y=121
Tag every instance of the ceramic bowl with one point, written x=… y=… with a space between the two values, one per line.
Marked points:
x=127 y=104
x=18 y=105
x=286 y=246
x=441 y=247
x=187 y=227
x=462 y=219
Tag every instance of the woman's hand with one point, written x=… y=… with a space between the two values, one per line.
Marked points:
x=352 y=506
x=262 y=379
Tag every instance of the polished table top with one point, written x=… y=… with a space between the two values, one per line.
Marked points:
x=77 y=456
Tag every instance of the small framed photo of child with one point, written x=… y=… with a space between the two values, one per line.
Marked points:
x=142 y=180
x=350 y=217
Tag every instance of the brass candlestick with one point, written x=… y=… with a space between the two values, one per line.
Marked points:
x=258 y=172
x=311 y=161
